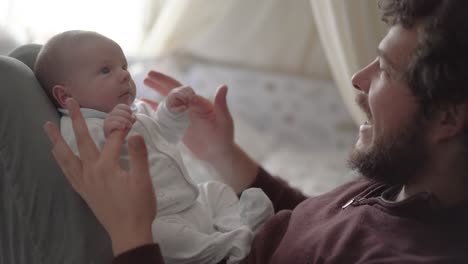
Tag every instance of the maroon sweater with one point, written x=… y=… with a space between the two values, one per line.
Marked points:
x=351 y=224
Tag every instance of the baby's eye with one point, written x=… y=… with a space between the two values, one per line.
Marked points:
x=124 y=67
x=105 y=70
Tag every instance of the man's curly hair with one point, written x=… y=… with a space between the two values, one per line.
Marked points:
x=438 y=71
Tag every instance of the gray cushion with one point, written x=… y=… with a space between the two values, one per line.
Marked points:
x=42 y=219
x=26 y=54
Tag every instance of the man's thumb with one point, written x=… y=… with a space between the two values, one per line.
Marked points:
x=220 y=100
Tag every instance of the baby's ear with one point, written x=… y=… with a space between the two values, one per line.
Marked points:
x=60 y=95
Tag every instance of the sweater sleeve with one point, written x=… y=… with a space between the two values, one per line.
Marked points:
x=280 y=193
x=146 y=254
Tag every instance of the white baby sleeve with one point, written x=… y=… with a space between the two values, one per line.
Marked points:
x=95 y=127
x=171 y=126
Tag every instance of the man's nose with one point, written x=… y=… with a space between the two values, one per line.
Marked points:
x=361 y=80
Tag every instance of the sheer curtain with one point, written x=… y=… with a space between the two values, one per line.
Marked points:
x=350 y=32
x=274 y=35
x=328 y=39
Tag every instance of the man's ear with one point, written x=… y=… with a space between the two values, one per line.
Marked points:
x=450 y=121
x=60 y=94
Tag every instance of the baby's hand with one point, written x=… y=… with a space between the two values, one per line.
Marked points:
x=179 y=99
x=121 y=117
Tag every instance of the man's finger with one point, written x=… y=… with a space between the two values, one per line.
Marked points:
x=52 y=132
x=157 y=86
x=66 y=159
x=164 y=79
x=201 y=105
x=110 y=153
x=86 y=146
x=139 y=167
x=221 y=107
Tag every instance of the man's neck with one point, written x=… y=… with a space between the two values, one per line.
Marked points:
x=449 y=186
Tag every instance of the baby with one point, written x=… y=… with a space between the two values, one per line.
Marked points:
x=205 y=223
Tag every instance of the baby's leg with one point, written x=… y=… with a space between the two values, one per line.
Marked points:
x=222 y=203
x=182 y=242
x=229 y=212
x=255 y=207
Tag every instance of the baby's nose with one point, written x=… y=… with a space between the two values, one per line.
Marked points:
x=125 y=76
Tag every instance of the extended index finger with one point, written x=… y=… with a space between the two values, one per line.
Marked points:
x=86 y=146
x=110 y=153
x=138 y=152
x=68 y=162
x=161 y=83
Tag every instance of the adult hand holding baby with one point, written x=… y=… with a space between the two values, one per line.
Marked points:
x=123 y=201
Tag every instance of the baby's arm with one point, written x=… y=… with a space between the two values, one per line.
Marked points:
x=172 y=114
x=121 y=117
x=179 y=99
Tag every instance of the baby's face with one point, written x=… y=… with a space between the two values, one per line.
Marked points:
x=100 y=79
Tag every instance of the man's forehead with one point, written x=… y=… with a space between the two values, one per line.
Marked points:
x=398 y=46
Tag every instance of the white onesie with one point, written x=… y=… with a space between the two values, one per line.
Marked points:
x=202 y=223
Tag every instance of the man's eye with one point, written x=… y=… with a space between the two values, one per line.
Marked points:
x=382 y=69
x=105 y=70
x=383 y=72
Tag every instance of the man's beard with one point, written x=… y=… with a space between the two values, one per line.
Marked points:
x=394 y=159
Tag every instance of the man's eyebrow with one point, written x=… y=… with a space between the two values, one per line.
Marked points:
x=384 y=56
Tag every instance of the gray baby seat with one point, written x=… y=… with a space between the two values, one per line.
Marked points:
x=42 y=219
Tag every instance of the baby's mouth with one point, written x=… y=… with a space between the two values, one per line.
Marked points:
x=124 y=94
x=127 y=97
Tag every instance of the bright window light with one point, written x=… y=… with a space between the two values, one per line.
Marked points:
x=36 y=21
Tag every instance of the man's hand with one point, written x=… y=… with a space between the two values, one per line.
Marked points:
x=210 y=135
x=211 y=130
x=123 y=201
x=120 y=118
